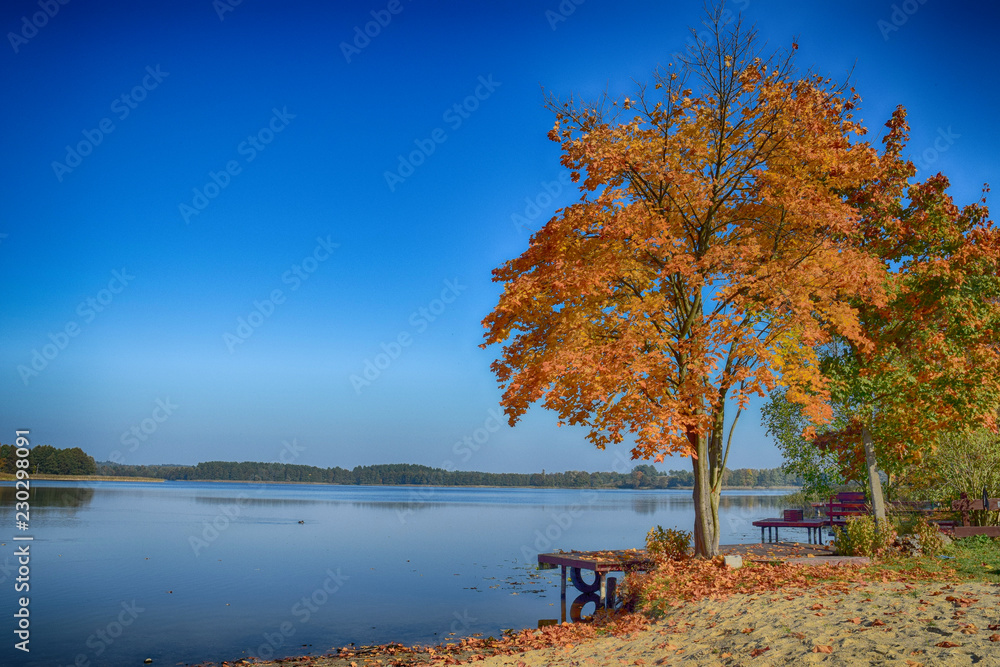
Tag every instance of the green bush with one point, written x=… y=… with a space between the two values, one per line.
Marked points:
x=860 y=537
x=966 y=463
x=929 y=536
x=669 y=544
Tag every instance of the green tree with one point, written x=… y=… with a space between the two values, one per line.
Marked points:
x=820 y=469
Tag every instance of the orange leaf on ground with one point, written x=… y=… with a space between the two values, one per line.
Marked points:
x=759 y=651
x=822 y=649
x=947 y=645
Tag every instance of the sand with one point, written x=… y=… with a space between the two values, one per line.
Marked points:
x=886 y=624
x=881 y=624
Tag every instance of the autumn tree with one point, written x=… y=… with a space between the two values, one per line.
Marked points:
x=712 y=249
x=931 y=363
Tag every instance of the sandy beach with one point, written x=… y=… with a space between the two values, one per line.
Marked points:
x=900 y=623
x=904 y=624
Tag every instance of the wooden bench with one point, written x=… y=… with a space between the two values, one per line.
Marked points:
x=966 y=505
x=845 y=505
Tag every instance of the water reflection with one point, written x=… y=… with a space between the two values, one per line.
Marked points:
x=578 y=611
x=467 y=551
x=49 y=497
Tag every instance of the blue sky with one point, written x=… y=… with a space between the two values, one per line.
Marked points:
x=221 y=250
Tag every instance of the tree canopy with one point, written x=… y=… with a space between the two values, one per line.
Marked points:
x=731 y=224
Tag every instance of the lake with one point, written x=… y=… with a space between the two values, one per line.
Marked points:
x=193 y=571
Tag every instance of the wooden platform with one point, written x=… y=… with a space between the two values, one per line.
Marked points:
x=620 y=560
x=601 y=563
x=602 y=590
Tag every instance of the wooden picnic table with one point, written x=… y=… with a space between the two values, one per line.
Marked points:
x=966 y=505
x=814 y=528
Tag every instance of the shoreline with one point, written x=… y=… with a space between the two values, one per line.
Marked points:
x=6 y=477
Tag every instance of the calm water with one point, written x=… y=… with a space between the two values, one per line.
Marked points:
x=187 y=571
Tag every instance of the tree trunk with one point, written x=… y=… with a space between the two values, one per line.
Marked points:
x=874 y=482
x=706 y=501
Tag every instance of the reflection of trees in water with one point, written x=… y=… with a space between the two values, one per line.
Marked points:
x=650 y=504
x=753 y=502
x=50 y=497
x=430 y=498
x=248 y=499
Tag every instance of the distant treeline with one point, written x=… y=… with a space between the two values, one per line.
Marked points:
x=48 y=460
x=641 y=476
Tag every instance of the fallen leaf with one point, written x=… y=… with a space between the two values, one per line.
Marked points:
x=995 y=638
x=822 y=649
x=759 y=651
x=947 y=645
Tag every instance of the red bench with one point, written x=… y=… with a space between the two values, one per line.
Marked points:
x=965 y=505
x=845 y=504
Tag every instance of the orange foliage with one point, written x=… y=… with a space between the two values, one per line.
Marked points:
x=710 y=252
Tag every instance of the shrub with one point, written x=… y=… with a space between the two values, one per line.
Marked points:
x=930 y=538
x=860 y=537
x=669 y=544
x=966 y=463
